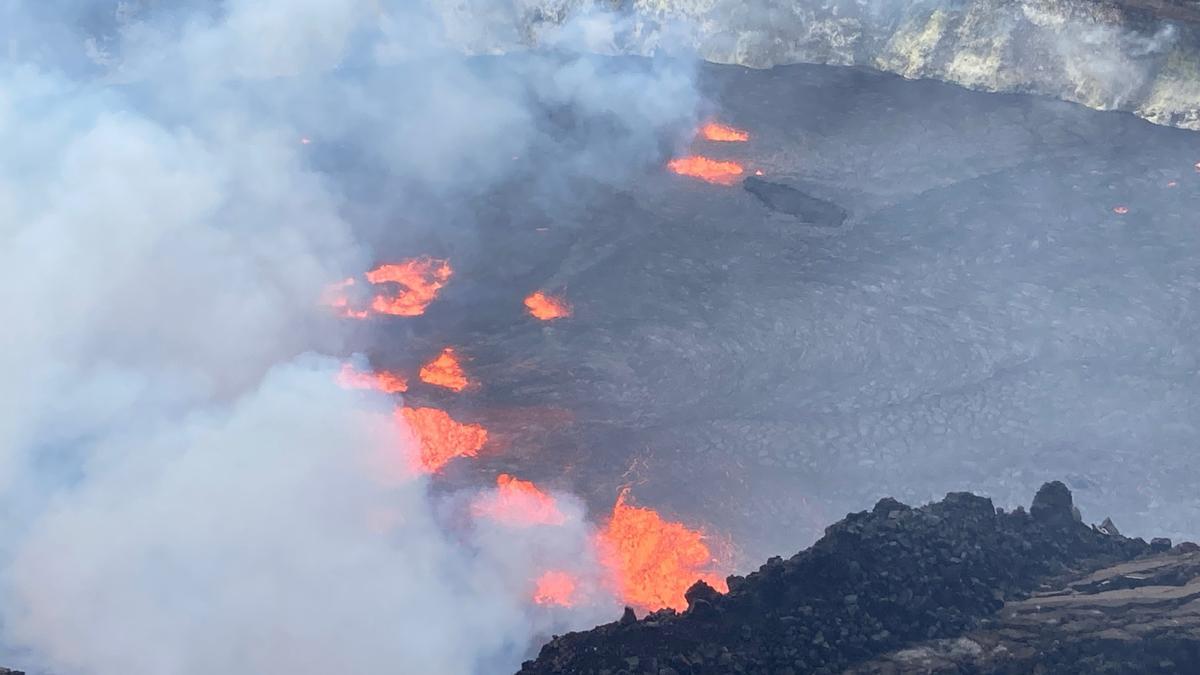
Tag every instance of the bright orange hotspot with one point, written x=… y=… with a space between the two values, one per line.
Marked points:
x=708 y=170
x=547 y=307
x=381 y=380
x=337 y=297
x=445 y=371
x=555 y=588
x=519 y=503
x=420 y=280
x=441 y=438
x=654 y=561
x=723 y=133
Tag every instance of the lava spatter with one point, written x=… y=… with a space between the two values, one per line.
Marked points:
x=555 y=587
x=445 y=371
x=653 y=561
x=705 y=169
x=379 y=380
x=440 y=438
x=723 y=133
x=518 y=503
x=546 y=307
x=419 y=279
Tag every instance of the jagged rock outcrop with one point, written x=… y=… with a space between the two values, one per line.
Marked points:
x=875 y=583
x=1141 y=56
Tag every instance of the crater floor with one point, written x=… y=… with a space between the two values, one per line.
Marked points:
x=1013 y=296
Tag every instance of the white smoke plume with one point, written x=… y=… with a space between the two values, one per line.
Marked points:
x=184 y=487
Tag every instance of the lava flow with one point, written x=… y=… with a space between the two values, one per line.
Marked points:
x=381 y=380
x=519 y=503
x=547 y=307
x=723 y=133
x=420 y=279
x=654 y=561
x=708 y=170
x=555 y=588
x=441 y=438
x=445 y=371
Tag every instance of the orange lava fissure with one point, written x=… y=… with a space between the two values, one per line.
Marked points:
x=723 y=133
x=708 y=170
x=445 y=371
x=441 y=438
x=653 y=560
x=555 y=588
x=545 y=307
x=420 y=280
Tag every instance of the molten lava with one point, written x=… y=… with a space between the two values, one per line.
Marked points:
x=420 y=280
x=726 y=134
x=709 y=170
x=555 y=588
x=337 y=296
x=518 y=503
x=381 y=380
x=654 y=561
x=547 y=307
x=441 y=438
x=445 y=371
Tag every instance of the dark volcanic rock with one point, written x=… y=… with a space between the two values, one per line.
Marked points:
x=875 y=582
x=1052 y=503
x=790 y=201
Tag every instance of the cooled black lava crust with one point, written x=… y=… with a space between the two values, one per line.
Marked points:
x=940 y=295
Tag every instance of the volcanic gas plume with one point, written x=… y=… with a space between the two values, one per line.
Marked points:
x=441 y=438
x=546 y=307
x=445 y=371
x=723 y=133
x=708 y=170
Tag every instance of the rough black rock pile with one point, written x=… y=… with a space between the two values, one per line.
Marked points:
x=876 y=581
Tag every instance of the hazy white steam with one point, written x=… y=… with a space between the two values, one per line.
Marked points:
x=185 y=488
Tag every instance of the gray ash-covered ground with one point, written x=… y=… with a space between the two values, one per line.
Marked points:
x=982 y=318
x=882 y=580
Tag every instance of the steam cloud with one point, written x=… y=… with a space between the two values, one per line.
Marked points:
x=185 y=488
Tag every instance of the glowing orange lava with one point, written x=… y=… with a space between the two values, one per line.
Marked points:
x=654 y=561
x=445 y=371
x=555 y=588
x=338 y=297
x=420 y=279
x=709 y=170
x=381 y=380
x=1120 y=210
x=720 y=132
x=441 y=438
x=547 y=307
x=519 y=503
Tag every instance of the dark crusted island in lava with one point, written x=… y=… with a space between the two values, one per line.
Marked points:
x=954 y=586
